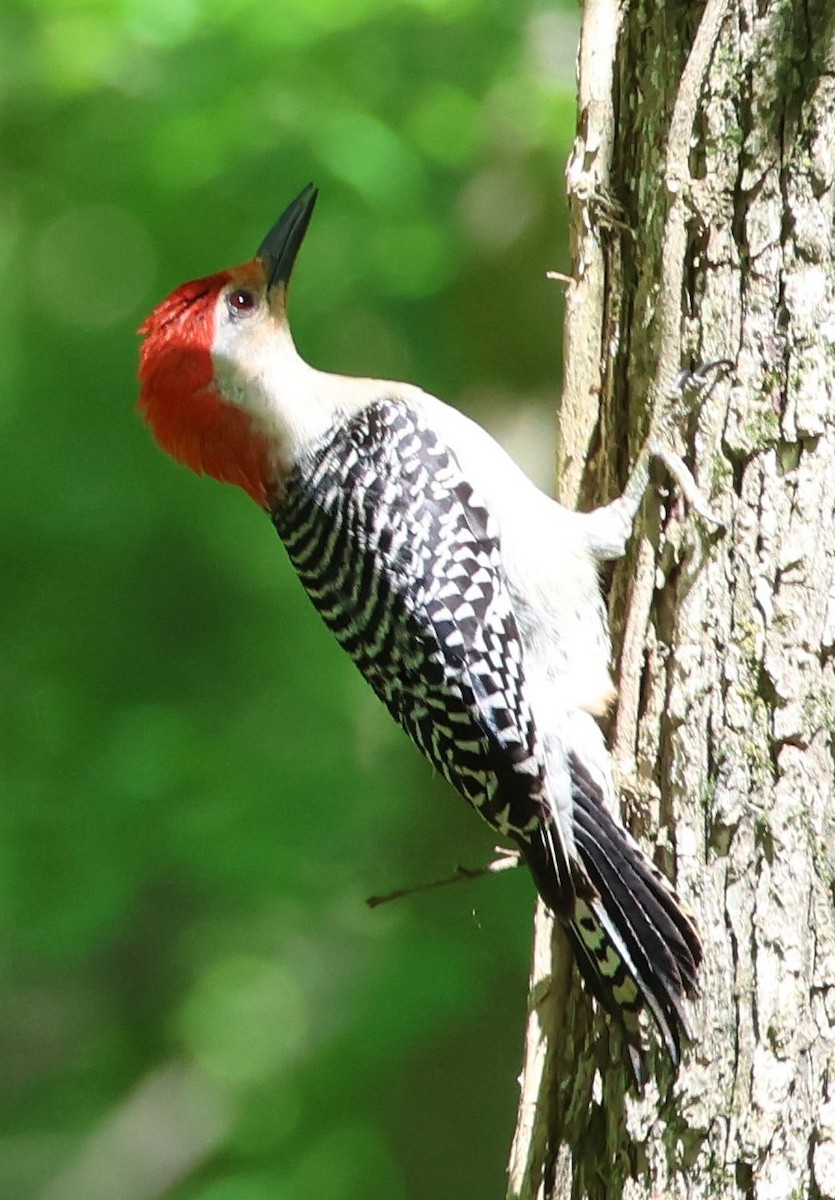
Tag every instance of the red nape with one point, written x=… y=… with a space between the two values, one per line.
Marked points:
x=187 y=415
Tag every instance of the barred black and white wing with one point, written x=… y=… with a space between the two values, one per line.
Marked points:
x=403 y=564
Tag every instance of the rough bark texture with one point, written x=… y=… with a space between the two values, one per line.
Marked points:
x=703 y=198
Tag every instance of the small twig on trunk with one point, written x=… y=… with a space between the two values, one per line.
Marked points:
x=506 y=861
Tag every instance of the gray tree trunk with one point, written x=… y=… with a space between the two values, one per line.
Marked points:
x=702 y=188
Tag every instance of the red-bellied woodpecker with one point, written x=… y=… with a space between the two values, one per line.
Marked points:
x=468 y=598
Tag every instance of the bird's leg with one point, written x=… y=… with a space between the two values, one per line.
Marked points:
x=610 y=527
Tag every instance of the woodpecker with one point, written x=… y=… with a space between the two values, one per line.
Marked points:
x=467 y=597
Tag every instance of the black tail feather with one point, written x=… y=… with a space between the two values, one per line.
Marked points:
x=635 y=945
x=680 y=946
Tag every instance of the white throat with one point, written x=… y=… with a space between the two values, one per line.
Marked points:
x=261 y=372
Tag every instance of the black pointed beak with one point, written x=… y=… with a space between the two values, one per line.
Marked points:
x=281 y=245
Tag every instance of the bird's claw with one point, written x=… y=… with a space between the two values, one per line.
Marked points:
x=700 y=378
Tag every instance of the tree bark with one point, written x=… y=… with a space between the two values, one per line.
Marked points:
x=702 y=191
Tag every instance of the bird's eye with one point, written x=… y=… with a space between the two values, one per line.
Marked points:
x=241 y=302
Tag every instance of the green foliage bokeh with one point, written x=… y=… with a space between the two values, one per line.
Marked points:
x=197 y=792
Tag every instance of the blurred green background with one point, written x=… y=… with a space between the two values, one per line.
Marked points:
x=197 y=791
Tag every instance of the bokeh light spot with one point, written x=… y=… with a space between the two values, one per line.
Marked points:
x=164 y=22
x=80 y=50
x=444 y=124
x=369 y=155
x=498 y=205
x=245 y=1020
x=93 y=266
